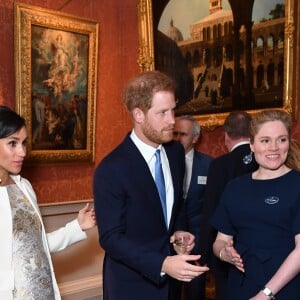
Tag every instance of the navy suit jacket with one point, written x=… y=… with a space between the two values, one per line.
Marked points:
x=131 y=224
x=194 y=197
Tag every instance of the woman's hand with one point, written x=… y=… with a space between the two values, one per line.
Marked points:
x=230 y=255
x=224 y=250
x=259 y=296
x=86 y=217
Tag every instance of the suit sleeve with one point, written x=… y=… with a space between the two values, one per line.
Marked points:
x=214 y=188
x=124 y=237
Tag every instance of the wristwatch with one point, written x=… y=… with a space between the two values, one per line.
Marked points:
x=268 y=293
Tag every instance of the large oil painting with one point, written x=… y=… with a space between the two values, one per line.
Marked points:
x=56 y=58
x=224 y=55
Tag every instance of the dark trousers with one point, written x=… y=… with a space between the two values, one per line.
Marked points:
x=195 y=290
x=220 y=273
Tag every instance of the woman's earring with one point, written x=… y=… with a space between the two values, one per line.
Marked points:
x=247 y=159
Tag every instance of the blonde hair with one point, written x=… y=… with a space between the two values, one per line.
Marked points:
x=260 y=118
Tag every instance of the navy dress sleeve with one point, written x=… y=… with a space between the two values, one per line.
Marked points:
x=221 y=218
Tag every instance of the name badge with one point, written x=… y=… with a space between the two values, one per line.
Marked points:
x=202 y=179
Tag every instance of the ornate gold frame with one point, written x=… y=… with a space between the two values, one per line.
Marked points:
x=25 y=17
x=291 y=91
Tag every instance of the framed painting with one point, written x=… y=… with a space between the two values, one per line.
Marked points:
x=223 y=55
x=55 y=71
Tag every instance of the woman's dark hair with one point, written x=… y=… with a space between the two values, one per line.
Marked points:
x=10 y=122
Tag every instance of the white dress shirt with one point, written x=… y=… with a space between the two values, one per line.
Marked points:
x=239 y=144
x=148 y=152
x=188 y=171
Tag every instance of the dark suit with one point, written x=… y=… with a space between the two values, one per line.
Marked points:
x=221 y=171
x=131 y=223
x=195 y=290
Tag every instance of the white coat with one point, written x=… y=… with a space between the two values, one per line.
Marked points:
x=54 y=241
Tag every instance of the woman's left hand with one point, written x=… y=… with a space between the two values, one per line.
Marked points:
x=259 y=296
x=86 y=217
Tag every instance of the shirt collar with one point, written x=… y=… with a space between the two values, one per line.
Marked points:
x=190 y=154
x=239 y=144
x=146 y=150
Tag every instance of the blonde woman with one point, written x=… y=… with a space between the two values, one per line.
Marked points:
x=258 y=220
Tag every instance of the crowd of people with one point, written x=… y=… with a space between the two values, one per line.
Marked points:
x=166 y=213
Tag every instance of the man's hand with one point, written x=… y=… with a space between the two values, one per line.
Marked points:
x=183 y=242
x=178 y=267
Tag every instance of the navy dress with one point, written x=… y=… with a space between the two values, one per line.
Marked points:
x=263 y=216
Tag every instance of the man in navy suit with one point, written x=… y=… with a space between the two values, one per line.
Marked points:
x=237 y=162
x=187 y=132
x=138 y=238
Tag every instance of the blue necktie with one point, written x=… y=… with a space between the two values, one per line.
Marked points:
x=160 y=184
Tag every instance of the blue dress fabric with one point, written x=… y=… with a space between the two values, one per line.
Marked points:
x=263 y=216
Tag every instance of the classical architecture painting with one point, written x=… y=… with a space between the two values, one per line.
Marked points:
x=228 y=59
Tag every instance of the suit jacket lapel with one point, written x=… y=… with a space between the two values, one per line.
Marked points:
x=142 y=175
x=177 y=181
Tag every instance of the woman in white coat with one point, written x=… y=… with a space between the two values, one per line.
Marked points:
x=26 y=270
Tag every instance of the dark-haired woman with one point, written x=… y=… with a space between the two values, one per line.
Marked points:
x=26 y=270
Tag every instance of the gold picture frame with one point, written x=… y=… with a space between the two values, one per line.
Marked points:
x=149 y=13
x=56 y=78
